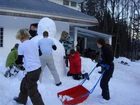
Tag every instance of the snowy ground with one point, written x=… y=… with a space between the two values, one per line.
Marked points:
x=124 y=86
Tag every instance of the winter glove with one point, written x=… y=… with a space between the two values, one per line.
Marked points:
x=98 y=64
x=19 y=60
x=20 y=67
x=105 y=66
x=85 y=75
x=40 y=53
x=54 y=47
x=65 y=57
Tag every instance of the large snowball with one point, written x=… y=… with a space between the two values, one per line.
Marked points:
x=47 y=24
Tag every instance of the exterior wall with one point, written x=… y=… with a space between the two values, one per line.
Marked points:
x=57 y=1
x=61 y=3
x=61 y=26
x=12 y=24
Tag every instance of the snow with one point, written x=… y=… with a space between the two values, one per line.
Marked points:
x=124 y=86
x=47 y=24
x=123 y=59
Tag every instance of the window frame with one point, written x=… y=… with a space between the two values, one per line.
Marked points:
x=1 y=36
x=73 y=2
x=66 y=2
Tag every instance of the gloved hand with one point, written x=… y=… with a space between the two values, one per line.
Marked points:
x=54 y=47
x=105 y=66
x=86 y=75
x=65 y=57
x=98 y=64
x=20 y=67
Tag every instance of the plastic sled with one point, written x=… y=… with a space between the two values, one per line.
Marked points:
x=78 y=94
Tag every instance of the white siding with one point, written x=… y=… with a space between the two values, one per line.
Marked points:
x=61 y=26
x=61 y=3
x=57 y=1
x=12 y=24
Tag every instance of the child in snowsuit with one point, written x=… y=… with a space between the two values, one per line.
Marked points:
x=107 y=65
x=10 y=61
x=75 y=65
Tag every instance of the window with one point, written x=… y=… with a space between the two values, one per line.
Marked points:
x=73 y=4
x=65 y=2
x=1 y=37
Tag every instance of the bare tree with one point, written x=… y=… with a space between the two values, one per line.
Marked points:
x=114 y=18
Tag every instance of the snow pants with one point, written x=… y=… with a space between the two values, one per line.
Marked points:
x=49 y=61
x=104 y=84
x=28 y=87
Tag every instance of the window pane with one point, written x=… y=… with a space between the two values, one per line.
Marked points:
x=1 y=33
x=0 y=29
x=65 y=2
x=73 y=4
x=1 y=37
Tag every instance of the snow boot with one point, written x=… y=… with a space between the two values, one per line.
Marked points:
x=85 y=75
x=16 y=99
x=77 y=77
x=69 y=74
x=7 y=74
x=58 y=84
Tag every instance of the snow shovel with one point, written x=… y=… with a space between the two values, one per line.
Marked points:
x=77 y=94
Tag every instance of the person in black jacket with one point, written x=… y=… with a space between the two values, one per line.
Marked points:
x=107 y=65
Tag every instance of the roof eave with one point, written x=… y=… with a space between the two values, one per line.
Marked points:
x=52 y=16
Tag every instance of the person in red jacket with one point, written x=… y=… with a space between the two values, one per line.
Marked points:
x=75 y=65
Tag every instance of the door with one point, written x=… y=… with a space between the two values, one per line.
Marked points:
x=80 y=44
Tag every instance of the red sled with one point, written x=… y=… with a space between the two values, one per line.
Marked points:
x=77 y=93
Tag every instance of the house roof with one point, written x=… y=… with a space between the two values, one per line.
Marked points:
x=41 y=8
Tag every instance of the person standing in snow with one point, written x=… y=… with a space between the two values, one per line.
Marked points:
x=10 y=61
x=67 y=43
x=28 y=50
x=46 y=46
x=107 y=64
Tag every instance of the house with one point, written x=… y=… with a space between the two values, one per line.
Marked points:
x=16 y=14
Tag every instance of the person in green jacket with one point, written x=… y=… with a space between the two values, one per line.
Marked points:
x=11 y=58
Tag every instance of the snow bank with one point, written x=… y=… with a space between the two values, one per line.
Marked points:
x=123 y=59
x=87 y=64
